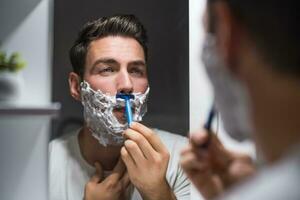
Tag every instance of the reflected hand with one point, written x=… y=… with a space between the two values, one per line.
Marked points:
x=213 y=168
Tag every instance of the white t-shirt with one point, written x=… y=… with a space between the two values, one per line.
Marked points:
x=69 y=172
x=278 y=182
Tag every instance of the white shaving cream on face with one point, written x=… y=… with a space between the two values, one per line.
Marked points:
x=99 y=116
x=231 y=96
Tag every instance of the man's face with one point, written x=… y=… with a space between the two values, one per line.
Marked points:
x=223 y=59
x=116 y=64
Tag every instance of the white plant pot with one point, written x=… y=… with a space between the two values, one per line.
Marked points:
x=10 y=87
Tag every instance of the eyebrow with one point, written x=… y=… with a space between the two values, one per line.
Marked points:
x=105 y=61
x=112 y=61
x=138 y=62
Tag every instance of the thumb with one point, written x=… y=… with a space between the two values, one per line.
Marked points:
x=118 y=171
x=199 y=138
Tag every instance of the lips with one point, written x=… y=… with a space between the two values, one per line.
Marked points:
x=120 y=114
x=122 y=109
x=119 y=109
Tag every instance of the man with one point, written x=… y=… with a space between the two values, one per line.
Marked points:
x=109 y=57
x=251 y=54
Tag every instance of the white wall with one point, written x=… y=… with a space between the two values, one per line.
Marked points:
x=32 y=37
x=26 y=27
x=200 y=89
x=201 y=94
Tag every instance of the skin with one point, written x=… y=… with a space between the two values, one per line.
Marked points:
x=213 y=169
x=117 y=64
x=275 y=106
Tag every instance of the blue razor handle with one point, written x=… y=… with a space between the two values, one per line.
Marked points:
x=210 y=118
x=208 y=125
x=128 y=111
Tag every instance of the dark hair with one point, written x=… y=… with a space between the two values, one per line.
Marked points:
x=117 y=25
x=273 y=25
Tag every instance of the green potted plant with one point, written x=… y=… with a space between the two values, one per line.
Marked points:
x=10 y=80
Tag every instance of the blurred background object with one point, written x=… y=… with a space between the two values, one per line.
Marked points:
x=10 y=79
x=24 y=132
x=26 y=27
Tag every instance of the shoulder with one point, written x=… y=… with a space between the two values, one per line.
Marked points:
x=278 y=182
x=61 y=144
x=175 y=175
x=61 y=149
x=59 y=155
x=172 y=141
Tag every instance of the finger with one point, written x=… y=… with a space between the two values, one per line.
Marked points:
x=186 y=150
x=199 y=152
x=120 y=167
x=202 y=155
x=150 y=135
x=127 y=159
x=241 y=156
x=215 y=153
x=190 y=162
x=141 y=141
x=125 y=181
x=199 y=138
x=117 y=172
x=97 y=177
x=135 y=152
x=198 y=171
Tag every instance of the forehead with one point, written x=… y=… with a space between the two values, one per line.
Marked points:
x=122 y=49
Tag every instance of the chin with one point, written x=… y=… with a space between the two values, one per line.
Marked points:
x=120 y=117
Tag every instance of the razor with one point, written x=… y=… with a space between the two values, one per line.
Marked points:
x=128 y=111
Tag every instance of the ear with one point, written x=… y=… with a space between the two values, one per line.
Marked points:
x=74 y=86
x=227 y=33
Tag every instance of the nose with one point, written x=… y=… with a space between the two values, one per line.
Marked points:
x=124 y=83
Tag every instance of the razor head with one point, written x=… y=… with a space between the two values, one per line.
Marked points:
x=124 y=96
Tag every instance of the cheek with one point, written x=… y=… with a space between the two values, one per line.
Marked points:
x=141 y=85
x=105 y=84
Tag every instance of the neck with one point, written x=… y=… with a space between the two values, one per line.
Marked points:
x=92 y=151
x=275 y=99
x=278 y=121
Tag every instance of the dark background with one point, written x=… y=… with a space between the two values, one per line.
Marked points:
x=168 y=68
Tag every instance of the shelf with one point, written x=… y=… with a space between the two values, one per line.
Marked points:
x=47 y=110
x=24 y=132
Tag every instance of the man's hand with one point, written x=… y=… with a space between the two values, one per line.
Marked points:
x=212 y=168
x=146 y=159
x=112 y=187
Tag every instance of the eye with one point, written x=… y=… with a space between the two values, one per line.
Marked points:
x=106 y=70
x=137 y=71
